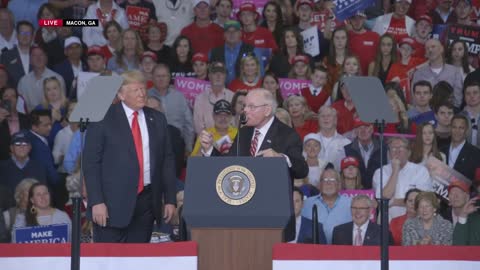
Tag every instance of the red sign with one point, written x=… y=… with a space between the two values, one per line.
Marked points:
x=137 y=16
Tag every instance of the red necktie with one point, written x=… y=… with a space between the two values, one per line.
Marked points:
x=137 y=139
x=253 y=146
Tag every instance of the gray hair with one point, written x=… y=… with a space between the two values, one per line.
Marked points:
x=402 y=139
x=73 y=185
x=363 y=197
x=25 y=184
x=268 y=97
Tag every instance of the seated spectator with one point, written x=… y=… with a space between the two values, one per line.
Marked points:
x=203 y=107
x=425 y=145
x=271 y=83
x=333 y=208
x=155 y=35
x=104 y=11
x=238 y=106
x=396 y=225
x=40 y=212
x=17 y=59
x=8 y=35
x=21 y=201
x=176 y=108
x=466 y=232
x=250 y=76
x=200 y=66
x=317 y=94
x=332 y=143
x=303 y=225
x=360 y=231
x=311 y=149
x=443 y=131
x=457 y=55
x=181 y=60
x=421 y=112
x=30 y=86
x=337 y=53
x=471 y=94
x=350 y=174
x=73 y=65
x=459 y=152
x=203 y=33
x=384 y=58
x=458 y=197
x=427 y=228
x=128 y=57
x=11 y=120
x=20 y=166
x=64 y=138
x=148 y=60
x=54 y=100
x=304 y=121
x=112 y=32
x=366 y=149
x=400 y=175
x=254 y=35
x=223 y=133
x=301 y=69
x=397 y=23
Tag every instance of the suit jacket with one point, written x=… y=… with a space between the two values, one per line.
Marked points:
x=12 y=61
x=343 y=235
x=467 y=161
x=42 y=153
x=281 y=138
x=66 y=71
x=367 y=172
x=306 y=230
x=111 y=165
x=5 y=136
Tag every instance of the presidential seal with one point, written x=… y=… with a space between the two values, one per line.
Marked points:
x=236 y=185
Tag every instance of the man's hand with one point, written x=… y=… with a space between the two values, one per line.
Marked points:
x=206 y=140
x=100 y=214
x=395 y=164
x=269 y=153
x=169 y=212
x=469 y=207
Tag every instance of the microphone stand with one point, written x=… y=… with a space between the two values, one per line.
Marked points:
x=315 y=225
x=385 y=235
x=241 y=121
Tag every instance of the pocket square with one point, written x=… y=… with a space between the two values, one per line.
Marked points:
x=14 y=61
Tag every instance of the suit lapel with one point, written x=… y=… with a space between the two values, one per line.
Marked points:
x=369 y=234
x=267 y=141
x=349 y=234
x=246 y=141
x=461 y=157
x=125 y=129
x=150 y=127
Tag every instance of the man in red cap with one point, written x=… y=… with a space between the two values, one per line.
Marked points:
x=96 y=59
x=203 y=33
x=423 y=29
x=458 y=196
x=362 y=42
x=254 y=35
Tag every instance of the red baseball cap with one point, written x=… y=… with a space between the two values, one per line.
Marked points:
x=95 y=50
x=200 y=57
x=149 y=54
x=407 y=40
x=247 y=7
x=426 y=18
x=299 y=58
x=349 y=161
x=460 y=184
x=305 y=2
x=358 y=123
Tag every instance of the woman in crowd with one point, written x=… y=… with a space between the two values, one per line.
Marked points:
x=399 y=106
x=301 y=69
x=200 y=66
x=39 y=210
x=304 y=121
x=337 y=53
x=21 y=201
x=113 y=34
x=350 y=174
x=385 y=57
x=291 y=44
x=396 y=224
x=350 y=67
x=457 y=55
x=311 y=149
x=238 y=106
x=425 y=145
x=11 y=120
x=128 y=57
x=427 y=228
x=181 y=60
x=272 y=84
x=46 y=34
x=54 y=100
x=250 y=77
x=156 y=33
x=273 y=19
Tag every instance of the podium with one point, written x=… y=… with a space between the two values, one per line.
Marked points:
x=237 y=208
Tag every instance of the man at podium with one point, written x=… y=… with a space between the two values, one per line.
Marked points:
x=263 y=135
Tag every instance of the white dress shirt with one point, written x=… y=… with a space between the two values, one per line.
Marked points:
x=145 y=140
x=453 y=153
x=263 y=131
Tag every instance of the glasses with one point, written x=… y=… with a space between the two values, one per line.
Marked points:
x=329 y=180
x=20 y=144
x=360 y=208
x=397 y=148
x=25 y=33
x=254 y=107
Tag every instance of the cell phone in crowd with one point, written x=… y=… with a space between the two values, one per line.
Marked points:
x=6 y=105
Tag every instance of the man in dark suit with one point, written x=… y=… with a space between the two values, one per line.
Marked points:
x=129 y=168
x=366 y=149
x=17 y=59
x=263 y=135
x=461 y=155
x=361 y=231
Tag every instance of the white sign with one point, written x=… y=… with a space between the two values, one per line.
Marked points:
x=310 y=41
x=82 y=80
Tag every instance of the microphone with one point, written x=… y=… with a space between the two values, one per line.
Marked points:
x=241 y=121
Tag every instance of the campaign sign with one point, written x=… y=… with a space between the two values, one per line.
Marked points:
x=442 y=175
x=468 y=34
x=57 y=233
x=345 y=9
x=191 y=88
x=137 y=16
x=310 y=41
x=290 y=87
x=369 y=192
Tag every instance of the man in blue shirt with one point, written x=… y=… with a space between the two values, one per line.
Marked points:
x=333 y=208
x=26 y=10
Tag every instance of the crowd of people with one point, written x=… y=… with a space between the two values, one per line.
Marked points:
x=432 y=84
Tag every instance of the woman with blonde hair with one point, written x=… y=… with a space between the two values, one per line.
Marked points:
x=304 y=121
x=129 y=54
x=249 y=77
x=21 y=200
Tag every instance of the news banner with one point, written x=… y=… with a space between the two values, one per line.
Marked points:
x=68 y=22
